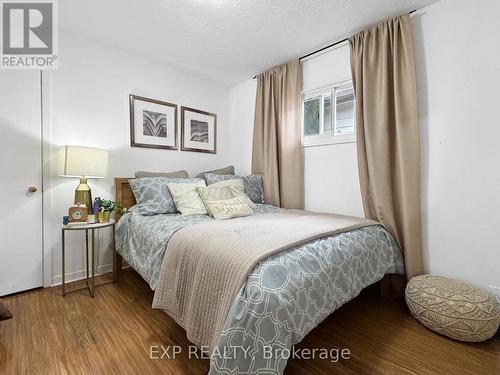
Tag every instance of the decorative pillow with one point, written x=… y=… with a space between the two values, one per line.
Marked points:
x=222 y=171
x=229 y=208
x=224 y=190
x=178 y=174
x=152 y=194
x=253 y=184
x=186 y=198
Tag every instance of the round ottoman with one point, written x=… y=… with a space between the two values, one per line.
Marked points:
x=452 y=308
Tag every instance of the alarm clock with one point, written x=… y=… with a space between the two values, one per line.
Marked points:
x=78 y=213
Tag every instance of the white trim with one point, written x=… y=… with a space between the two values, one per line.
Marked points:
x=329 y=87
x=46 y=141
x=322 y=113
x=79 y=275
x=333 y=110
x=328 y=139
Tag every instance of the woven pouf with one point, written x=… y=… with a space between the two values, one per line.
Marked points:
x=452 y=308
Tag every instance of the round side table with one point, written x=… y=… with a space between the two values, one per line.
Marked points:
x=91 y=285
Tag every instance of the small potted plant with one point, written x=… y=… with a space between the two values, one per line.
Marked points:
x=102 y=209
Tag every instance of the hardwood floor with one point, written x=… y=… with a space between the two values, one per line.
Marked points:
x=112 y=334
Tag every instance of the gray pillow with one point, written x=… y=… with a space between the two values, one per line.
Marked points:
x=152 y=194
x=253 y=184
x=178 y=174
x=223 y=171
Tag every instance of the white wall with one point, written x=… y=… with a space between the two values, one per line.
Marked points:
x=331 y=179
x=241 y=114
x=330 y=171
x=89 y=106
x=457 y=47
x=458 y=61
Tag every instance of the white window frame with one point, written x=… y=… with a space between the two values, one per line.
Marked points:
x=329 y=138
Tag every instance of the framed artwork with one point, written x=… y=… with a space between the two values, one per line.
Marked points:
x=153 y=123
x=198 y=130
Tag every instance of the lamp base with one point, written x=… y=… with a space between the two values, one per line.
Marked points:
x=83 y=194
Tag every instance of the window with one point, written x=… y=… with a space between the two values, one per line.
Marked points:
x=324 y=123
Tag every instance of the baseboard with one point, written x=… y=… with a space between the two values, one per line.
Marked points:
x=79 y=275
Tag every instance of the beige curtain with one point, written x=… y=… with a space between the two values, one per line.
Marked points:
x=277 y=153
x=383 y=71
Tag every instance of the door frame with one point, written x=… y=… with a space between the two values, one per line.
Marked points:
x=47 y=168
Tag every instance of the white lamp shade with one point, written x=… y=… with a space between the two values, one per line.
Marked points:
x=79 y=161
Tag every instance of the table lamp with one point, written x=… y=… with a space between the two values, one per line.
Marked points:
x=82 y=162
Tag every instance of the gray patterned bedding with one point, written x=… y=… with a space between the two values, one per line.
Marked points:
x=285 y=296
x=142 y=240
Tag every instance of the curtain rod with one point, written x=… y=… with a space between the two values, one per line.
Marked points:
x=328 y=46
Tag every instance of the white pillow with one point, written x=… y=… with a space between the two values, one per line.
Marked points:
x=224 y=190
x=186 y=198
x=229 y=208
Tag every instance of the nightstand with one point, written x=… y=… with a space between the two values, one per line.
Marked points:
x=91 y=285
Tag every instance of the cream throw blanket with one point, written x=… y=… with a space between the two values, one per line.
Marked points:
x=206 y=264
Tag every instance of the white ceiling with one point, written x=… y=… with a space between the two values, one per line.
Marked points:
x=226 y=40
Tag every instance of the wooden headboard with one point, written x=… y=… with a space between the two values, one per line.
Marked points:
x=123 y=194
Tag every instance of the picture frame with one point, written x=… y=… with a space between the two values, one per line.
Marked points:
x=153 y=123
x=198 y=130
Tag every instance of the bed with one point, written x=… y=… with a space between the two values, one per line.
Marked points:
x=282 y=298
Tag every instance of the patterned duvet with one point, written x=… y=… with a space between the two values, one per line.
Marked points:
x=285 y=296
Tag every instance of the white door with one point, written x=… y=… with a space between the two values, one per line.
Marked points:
x=20 y=170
